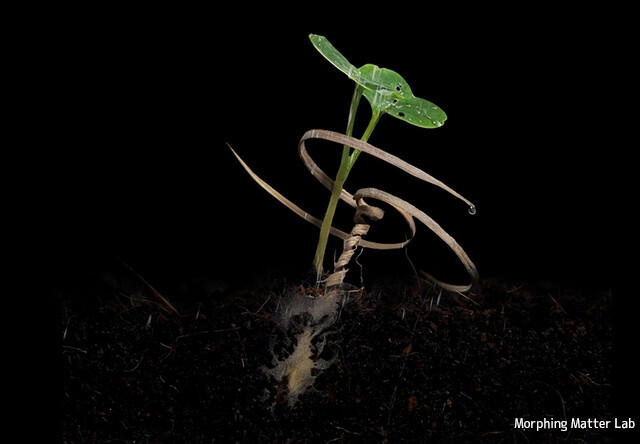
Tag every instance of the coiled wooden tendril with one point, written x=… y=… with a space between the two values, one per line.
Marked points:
x=353 y=239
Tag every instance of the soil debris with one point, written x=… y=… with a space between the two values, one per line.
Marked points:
x=405 y=370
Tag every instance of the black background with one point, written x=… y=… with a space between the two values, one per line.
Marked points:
x=147 y=100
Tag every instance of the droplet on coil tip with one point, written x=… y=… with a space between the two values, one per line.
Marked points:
x=472 y=210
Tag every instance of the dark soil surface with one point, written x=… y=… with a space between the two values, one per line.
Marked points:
x=410 y=368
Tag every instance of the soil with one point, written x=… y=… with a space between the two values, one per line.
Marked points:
x=412 y=365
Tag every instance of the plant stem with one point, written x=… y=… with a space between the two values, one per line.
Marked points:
x=347 y=162
x=365 y=137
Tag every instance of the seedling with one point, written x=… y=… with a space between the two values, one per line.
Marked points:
x=387 y=93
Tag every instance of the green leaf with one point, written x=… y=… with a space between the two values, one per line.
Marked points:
x=394 y=97
x=386 y=90
x=339 y=61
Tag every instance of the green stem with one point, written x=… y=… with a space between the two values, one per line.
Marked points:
x=346 y=164
x=365 y=137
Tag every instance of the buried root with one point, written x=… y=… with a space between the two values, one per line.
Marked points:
x=300 y=358
x=309 y=320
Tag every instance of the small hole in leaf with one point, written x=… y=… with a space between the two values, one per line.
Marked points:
x=395 y=101
x=401 y=114
x=398 y=87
